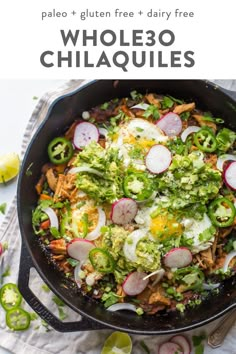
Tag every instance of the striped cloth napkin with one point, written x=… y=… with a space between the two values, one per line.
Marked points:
x=40 y=338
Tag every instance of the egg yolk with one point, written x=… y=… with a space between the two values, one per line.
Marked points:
x=92 y=218
x=164 y=226
x=142 y=143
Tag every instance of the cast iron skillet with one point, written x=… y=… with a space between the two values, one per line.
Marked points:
x=61 y=114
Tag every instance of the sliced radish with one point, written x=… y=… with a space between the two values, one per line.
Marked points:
x=79 y=249
x=134 y=283
x=182 y=342
x=93 y=235
x=158 y=159
x=131 y=244
x=178 y=257
x=85 y=132
x=103 y=132
x=230 y=175
x=79 y=169
x=1 y=249
x=171 y=124
x=191 y=129
x=228 y=259
x=222 y=159
x=122 y=306
x=52 y=217
x=170 y=348
x=143 y=106
x=124 y=211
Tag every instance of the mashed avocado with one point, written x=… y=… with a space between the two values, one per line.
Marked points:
x=189 y=180
x=148 y=255
x=107 y=188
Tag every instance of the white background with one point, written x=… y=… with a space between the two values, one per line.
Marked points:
x=210 y=34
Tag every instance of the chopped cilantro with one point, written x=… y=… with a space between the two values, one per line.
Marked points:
x=6 y=273
x=167 y=102
x=136 y=96
x=197 y=343
x=58 y=301
x=62 y=314
x=185 y=115
x=110 y=299
x=3 y=207
x=45 y=288
x=144 y=346
x=33 y=316
x=180 y=307
x=55 y=233
x=176 y=100
x=152 y=110
x=28 y=171
x=72 y=262
x=104 y=106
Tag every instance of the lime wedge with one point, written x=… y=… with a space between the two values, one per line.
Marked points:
x=9 y=167
x=117 y=343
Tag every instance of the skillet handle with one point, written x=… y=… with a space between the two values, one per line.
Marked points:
x=23 y=284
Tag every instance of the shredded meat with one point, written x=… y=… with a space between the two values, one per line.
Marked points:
x=158 y=298
x=187 y=107
x=153 y=100
x=206 y=257
x=211 y=159
x=58 y=246
x=51 y=179
x=65 y=266
x=65 y=188
x=39 y=185
x=224 y=232
x=202 y=122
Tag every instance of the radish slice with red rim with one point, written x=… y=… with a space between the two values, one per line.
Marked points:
x=191 y=129
x=124 y=211
x=122 y=306
x=178 y=257
x=222 y=159
x=170 y=348
x=79 y=249
x=52 y=217
x=85 y=132
x=134 y=283
x=230 y=175
x=1 y=249
x=182 y=342
x=158 y=159
x=170 y=124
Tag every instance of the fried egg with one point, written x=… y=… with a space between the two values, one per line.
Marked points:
x=137 y=135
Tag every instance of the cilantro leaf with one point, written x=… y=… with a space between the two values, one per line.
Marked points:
x=3 y=207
